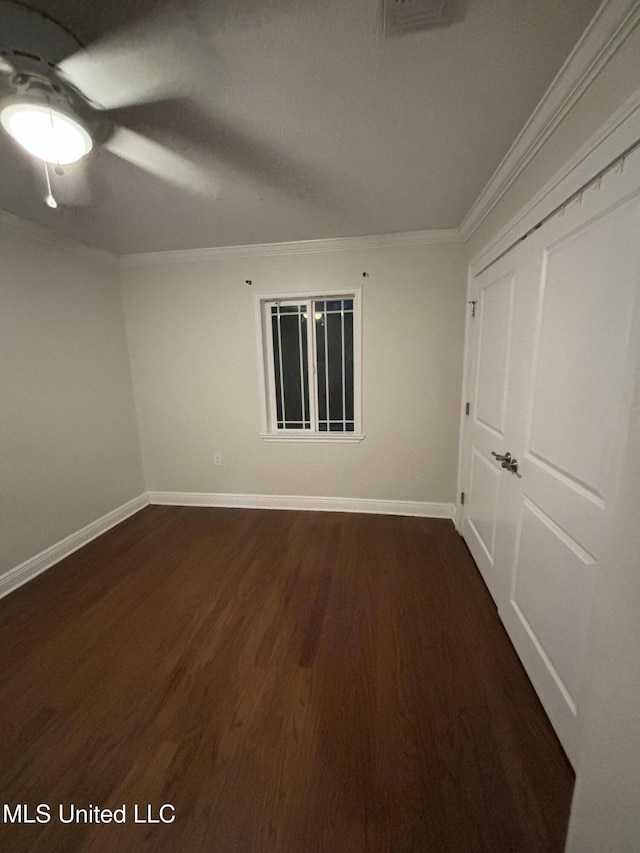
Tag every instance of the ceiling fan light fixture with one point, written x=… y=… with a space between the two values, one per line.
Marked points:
x=46 y=132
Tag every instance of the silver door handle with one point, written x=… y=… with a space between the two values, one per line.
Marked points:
x=511 y=465
x=500 y=458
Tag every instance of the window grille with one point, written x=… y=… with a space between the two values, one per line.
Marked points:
x=311 y=350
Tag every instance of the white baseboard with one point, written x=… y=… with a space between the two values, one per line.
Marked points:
x=23 y=573
x=45 y=559
x=367 y=505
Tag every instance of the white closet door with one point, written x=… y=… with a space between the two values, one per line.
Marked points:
x=571 y=360
x=487 y=431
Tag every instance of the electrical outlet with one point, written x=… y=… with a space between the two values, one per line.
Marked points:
x=217 y=459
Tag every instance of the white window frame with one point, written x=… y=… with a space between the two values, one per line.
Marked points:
x=268 y=427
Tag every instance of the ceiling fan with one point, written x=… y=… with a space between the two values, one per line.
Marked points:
x=45 y=109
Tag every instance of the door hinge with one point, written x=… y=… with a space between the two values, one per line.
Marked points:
x=466 y=409
x=473 y=303
x=462 y=498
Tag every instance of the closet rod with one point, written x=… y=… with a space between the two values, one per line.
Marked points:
x=594 y=180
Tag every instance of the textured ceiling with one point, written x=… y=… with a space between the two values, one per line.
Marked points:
x=293 y=119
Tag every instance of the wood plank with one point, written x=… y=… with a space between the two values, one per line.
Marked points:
x=287 y=681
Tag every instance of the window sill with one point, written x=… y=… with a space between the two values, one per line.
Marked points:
x=326 y=438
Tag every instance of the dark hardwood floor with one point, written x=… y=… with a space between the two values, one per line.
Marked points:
x=287 y=681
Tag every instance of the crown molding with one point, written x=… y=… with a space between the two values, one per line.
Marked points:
x=610 y=26
x=43 y=234
x=616 y=135
x=302 y=247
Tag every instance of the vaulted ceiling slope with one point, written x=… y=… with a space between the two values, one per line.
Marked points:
x=293 y=119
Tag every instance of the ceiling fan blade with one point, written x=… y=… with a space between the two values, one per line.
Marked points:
x=160 y=161
x=220 y=146
x=112 y=76
x=141 y=64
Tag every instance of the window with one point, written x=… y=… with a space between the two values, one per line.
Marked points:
x=311 y=366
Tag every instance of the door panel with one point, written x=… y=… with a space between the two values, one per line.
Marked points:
x=493 y=324
x=584 y=327
x=551 y=593
x=563 y=354
x=484 y=488
x=495 y=308
x=573 y=508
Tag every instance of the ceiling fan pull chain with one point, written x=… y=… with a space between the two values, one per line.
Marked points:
x=49 y=199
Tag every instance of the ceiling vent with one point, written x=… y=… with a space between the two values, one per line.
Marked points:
x=408 y=16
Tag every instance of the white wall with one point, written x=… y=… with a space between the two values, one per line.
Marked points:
x=70 y=449
x=192 y=339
